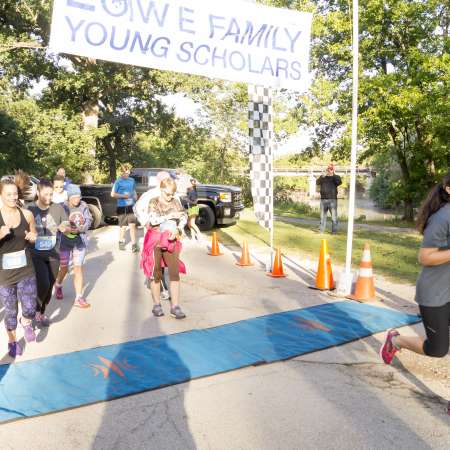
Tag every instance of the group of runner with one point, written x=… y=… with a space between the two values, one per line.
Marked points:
x=37 y=243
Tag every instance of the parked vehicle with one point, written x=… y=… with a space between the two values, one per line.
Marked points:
x=219 y=204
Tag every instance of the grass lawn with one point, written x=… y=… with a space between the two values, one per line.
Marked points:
x=300 y=210
x=394 y=255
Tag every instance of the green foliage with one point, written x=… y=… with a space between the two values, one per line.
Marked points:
x=296 y=209
x=39 y=140
x=404 y=85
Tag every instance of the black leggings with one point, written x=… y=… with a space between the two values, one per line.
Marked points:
x=436 y=320
x=46 y=272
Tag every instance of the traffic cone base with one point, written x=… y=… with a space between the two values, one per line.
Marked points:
x=277 y=269
x=270 y=274
x=365 y=285
x=245 y=257
x=324 y=276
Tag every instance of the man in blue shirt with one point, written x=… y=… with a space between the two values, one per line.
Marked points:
x=124 y=190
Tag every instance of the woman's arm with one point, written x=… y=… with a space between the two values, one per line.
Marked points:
x=32 y=234
x=433 y=256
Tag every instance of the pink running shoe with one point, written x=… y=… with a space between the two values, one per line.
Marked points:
x=388 y=349
x=81 y=303
x=59 y=293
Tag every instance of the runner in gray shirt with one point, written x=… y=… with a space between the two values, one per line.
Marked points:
x=433 y=284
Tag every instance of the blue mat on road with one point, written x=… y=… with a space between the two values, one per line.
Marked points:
x=55 y=383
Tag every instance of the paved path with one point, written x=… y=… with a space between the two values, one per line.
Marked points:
x=343 y=225
x=338 y=398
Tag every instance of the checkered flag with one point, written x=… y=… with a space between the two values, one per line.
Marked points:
x=260 y=125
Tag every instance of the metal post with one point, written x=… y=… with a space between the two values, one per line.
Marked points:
x=345 y=283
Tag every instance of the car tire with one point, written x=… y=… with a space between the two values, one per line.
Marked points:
x=96 y=216
x=206 y=218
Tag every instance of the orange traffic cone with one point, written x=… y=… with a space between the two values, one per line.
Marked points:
x=324 y=277
x=245 y=257
x=277 y=269
x=365 y=286
x=215 y=249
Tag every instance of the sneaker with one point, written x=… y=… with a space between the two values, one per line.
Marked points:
x=157 y=311
x=59 y=293
x=81 y=303
x=121 y=245
x=42 y=320
x=135 y=248
x=14 y=349
x=177 y=313
x=28 y=332
x=165 y=295
x=388 y=349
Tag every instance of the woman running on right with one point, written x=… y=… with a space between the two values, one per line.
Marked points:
x=433 y=284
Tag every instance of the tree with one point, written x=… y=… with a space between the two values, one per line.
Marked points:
x=404 y=85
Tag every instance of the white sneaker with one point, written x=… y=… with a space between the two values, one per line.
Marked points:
x=164 y=295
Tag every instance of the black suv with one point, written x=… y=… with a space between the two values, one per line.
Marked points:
x=219 y=204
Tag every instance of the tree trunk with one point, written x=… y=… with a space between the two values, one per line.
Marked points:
x=408 y=210
x=90 y=120
x=111 y=158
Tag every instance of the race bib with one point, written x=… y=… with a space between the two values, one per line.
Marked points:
x=45 y=243
x=14 y=260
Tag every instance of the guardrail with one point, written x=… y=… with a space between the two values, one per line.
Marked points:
x=316 y=171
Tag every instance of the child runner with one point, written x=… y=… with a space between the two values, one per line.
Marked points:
x=124 y=190
x=193 y=209
x=59 y=193
x=433 y=284
x=74 y=244
x=49 y=218
x=17 y=278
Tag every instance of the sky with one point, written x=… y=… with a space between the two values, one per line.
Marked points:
x=187 y=108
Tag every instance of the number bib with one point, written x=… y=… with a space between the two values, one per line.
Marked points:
x=15 y=260
x=45 y=243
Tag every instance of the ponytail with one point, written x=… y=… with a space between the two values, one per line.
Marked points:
x=435 y=200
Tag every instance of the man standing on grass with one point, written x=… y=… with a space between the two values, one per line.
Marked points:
x=328 y=183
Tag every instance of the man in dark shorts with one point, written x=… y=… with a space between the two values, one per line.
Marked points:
x=124 y=190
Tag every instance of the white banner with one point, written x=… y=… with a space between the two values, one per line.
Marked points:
x=227 y=39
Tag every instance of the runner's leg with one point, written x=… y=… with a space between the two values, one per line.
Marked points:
x=132 y=227
x=8 y=295
x=27 y=294
x=42 y=270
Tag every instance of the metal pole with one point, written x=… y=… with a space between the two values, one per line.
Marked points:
x=345 y=284
x=273 y=220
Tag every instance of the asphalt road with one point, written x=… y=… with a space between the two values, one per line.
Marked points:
x=338 y=398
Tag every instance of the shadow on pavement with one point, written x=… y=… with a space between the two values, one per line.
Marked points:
x=148 y=420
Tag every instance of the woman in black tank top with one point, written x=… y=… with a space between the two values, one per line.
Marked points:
x=17 y=278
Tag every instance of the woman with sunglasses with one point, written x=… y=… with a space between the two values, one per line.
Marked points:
x=163 y=211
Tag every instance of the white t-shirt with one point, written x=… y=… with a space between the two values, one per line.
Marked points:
x=141 y=206
x=59 y=197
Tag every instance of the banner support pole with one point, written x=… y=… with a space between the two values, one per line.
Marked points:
x=345 y=282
